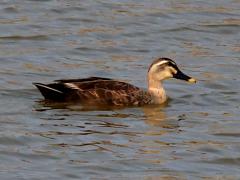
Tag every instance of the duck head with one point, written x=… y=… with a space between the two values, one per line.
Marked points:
x=165 y=68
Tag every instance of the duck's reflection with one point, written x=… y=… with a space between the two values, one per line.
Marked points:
x=45 y=105
x=107 y=129
x=155 y=115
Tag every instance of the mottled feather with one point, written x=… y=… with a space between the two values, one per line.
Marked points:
x=97 y=90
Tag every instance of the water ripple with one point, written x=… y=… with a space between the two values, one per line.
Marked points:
x=195 y=135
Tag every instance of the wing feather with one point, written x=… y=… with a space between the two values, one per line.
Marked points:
x=97 y=90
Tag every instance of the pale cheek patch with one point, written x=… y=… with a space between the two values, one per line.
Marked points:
x=167 y=74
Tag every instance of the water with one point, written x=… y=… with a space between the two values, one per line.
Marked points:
x=194 y=136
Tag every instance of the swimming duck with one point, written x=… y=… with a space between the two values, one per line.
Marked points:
x=105 y=91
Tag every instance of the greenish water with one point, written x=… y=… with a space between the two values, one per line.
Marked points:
x=194 y=136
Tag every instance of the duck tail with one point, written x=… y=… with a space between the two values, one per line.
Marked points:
x=48 y=92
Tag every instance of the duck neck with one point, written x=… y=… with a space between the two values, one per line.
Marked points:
x=155 y=88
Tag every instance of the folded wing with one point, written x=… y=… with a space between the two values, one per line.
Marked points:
x=93 y=90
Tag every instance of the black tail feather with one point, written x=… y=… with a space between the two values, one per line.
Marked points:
x=49 y=92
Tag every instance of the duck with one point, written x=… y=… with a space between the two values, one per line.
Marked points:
x=106 y=91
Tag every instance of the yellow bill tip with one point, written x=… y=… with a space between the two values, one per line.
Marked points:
x=192 y=80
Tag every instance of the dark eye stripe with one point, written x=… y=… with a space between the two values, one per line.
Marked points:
x=169 y=63
x=172 y=65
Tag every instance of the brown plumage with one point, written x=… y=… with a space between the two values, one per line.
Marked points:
x=95 y=90
x=105 y=91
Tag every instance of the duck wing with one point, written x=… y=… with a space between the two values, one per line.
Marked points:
x=94 y=90
x=61 y=88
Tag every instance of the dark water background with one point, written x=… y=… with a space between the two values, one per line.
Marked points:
x=195 y=136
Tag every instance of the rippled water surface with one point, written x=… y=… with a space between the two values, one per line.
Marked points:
x=196 y=135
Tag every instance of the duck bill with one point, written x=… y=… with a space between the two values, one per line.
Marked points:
x=180 y=75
